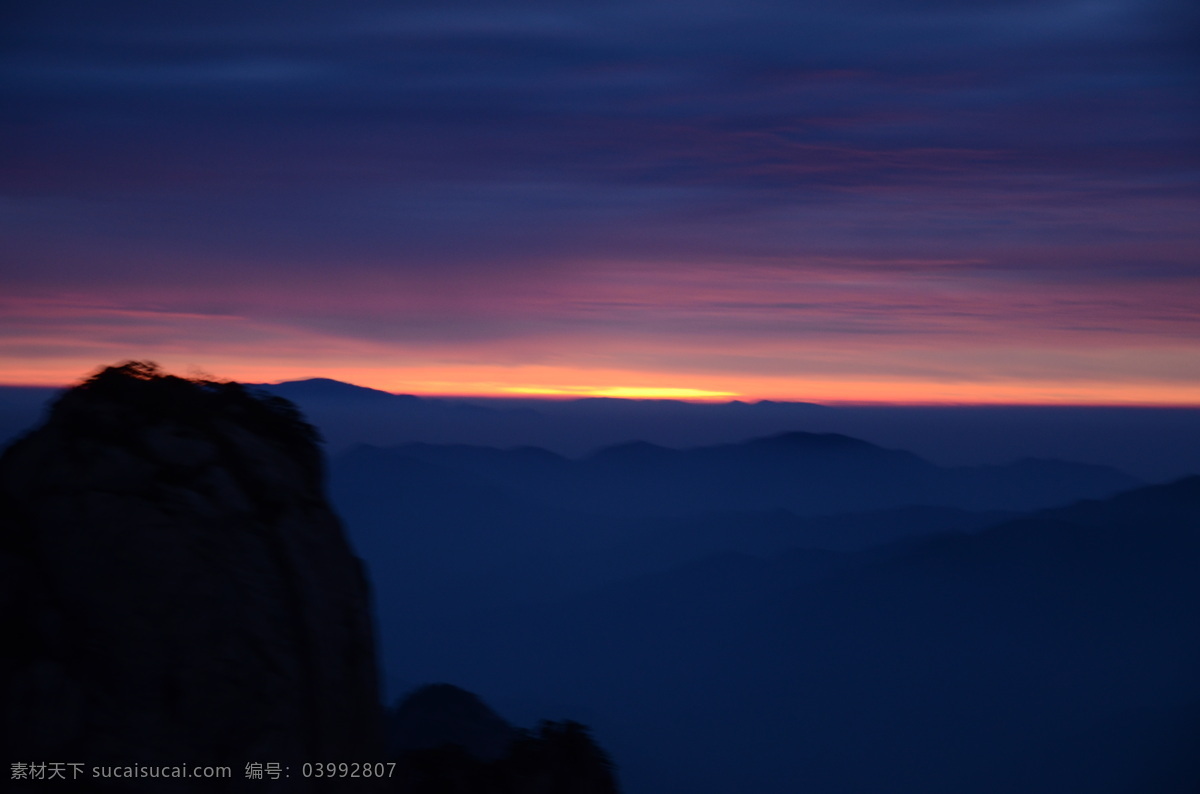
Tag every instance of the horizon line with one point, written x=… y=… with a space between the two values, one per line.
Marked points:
x=671 y=395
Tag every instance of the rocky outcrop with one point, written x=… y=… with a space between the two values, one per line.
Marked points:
x=436 y=715
x=176 y=590
x=447 y=741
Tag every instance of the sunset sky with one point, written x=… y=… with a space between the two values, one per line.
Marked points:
x=917 y=201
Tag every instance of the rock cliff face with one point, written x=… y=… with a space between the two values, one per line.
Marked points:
x=176 y=590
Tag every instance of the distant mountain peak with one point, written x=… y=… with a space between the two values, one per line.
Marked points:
x=330 y=388
x=439 y=714
x=631 y=451
x=814 y=440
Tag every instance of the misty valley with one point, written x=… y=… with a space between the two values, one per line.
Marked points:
x=795 y=609
x=803 y=612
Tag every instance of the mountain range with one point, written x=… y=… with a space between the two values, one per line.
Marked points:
x=446 y=525
x=1153 y=444
x=799 y=609
x=1057 y=651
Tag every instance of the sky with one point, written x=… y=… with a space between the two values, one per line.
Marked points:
x=924 y=201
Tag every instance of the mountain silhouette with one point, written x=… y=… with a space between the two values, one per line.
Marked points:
x=176 y=590
x=1053 y=652
x=448 y=740
x=806 y=473
x=799 y=611
x=442 y=714
x=1155 y=444
x=312 y=389
x=446 y=527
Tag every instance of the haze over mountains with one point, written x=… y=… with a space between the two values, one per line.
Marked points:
x=798 y=609
x=801 y=610
x=905 y=648
x=1056 y=652
x=454 y=526
x=1153 y=444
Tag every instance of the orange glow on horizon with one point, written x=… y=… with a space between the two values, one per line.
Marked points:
x=549 y=382
x=624 y=392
